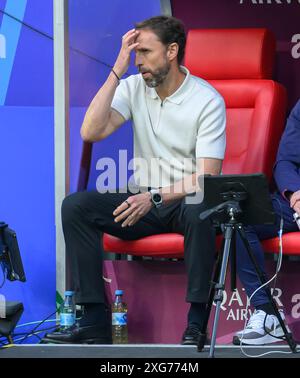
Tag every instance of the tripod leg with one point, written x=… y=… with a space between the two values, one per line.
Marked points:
x=233 y=263
x=220 y=286
x=262 y=279
x=202 y=335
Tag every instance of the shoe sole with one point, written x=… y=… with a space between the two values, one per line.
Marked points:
x=189 y=343
x=267 y=339
x=86 y=341
x=193 y=342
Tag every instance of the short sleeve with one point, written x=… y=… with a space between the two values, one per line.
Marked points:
x=211 y=136
x=121 y=100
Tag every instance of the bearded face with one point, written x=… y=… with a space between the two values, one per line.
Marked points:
x=151 y=58
x=155 y=77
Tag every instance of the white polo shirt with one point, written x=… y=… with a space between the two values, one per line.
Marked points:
x=170 y=135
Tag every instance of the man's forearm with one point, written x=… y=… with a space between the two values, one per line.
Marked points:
x=190 y=183
x=99 y=112
x=97 y=115
x=180 y=189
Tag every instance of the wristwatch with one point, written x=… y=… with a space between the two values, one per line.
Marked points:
x=156 y=198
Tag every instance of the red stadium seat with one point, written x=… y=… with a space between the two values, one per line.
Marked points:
x=238 y=63
x=290 y=244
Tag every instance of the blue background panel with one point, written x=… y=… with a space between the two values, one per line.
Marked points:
x=122 y=139
x=10 y=29
x=27 y=156
x=31 y=82
x=27 y=203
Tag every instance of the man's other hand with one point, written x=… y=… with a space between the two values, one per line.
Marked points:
x=295 y=201
x=133 y=209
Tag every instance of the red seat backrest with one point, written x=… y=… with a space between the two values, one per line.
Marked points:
x=239 y=63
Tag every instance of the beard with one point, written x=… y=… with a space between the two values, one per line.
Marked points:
x=158 y=76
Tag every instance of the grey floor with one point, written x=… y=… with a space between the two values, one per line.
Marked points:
x=139 y=351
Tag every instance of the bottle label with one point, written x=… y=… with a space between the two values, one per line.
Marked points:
x=119 y=318
x=67 y=320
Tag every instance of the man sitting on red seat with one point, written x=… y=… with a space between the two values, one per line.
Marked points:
x=177 y=119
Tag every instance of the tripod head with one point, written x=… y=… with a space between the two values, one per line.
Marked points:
x=237 y=198
x=230 y=209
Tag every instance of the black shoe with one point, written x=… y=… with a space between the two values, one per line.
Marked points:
x=190 y=335
x=80 y=335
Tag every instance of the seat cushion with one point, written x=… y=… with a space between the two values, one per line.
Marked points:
x=172 y=245
x=290 y=244
x=161 y=245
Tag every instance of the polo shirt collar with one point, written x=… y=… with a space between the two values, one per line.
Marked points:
x=178 y=96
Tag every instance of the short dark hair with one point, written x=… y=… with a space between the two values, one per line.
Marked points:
x=168 y=30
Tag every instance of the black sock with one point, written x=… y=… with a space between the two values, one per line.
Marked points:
x=93 y=314
x=266 y=307
x=196 y=314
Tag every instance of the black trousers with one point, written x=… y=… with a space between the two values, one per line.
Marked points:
x=86 y=215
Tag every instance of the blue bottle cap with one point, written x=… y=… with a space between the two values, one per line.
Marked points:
x=69 y=293
x=119 y=292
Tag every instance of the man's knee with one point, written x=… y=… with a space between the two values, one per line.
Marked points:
x=72 y=205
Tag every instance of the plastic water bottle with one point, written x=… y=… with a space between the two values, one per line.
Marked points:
x=119 y=319
x=68 y=311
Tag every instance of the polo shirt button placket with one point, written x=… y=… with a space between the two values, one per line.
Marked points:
x=159 y=116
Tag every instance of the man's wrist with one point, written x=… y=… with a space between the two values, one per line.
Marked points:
x=156 y=197
x=116 y=75
x=117 y=71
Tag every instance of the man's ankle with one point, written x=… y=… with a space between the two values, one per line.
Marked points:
x=93 y=314
x=267 y=308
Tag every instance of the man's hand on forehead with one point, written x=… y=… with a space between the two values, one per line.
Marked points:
x=128 y=45
x=130 y=36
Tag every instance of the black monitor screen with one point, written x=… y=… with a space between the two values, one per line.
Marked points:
x=10 y=256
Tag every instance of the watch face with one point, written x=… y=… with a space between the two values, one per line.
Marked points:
x=156 y=197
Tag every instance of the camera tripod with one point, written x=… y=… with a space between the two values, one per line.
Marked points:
x=231 y=210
